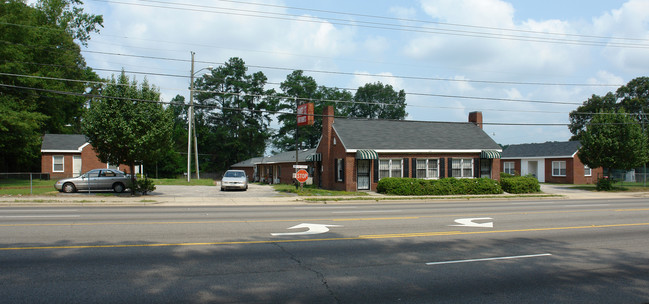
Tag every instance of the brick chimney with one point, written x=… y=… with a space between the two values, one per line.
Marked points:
x=326 y=145
x=476 y=118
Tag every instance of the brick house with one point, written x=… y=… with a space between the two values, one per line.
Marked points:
x=354 y=154
x=69 y=155
x=551 y=162
x=276 y=169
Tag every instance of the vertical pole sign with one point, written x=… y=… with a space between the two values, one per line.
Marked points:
x=304 y=118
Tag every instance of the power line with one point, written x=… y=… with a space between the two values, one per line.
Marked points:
x=375 y=25
x=214 y=106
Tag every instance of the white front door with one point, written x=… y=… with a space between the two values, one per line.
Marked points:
x=363 y=174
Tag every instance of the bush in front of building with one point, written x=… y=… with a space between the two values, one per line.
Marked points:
x=444 y=186
x=520 y=184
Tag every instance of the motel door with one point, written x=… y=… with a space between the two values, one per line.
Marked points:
x=363 y=174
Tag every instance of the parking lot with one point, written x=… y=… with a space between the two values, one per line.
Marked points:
x=254 y=190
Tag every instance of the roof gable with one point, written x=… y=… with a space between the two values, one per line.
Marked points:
x=411 y=135
x=63 y=142
x=542 y=150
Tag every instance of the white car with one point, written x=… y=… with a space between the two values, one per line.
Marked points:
x=234 y=179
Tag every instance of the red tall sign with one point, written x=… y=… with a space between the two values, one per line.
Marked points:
x=305 y=114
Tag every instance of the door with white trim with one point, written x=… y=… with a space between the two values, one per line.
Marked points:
x=363 y=174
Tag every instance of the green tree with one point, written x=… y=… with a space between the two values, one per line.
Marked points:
x=302 y=89
x=37 y=47
x=631 y=98
x=613 y=140
x=128 y=125
x=378 y=101
x=232 y=119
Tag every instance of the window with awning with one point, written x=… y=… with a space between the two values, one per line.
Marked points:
x=366 y=154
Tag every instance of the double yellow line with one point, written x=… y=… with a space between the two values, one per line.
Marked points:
x=360 y=237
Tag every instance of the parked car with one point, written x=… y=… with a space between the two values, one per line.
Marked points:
x=234 y=179
x=96 y=179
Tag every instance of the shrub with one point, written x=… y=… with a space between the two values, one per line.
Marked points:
x=144 y=185
x=520 y=184
x=604 y=184
x=445 y=186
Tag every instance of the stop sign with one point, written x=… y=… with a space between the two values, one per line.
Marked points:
x=302 y=176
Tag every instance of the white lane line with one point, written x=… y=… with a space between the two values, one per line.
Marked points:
x=39 y=216
x=369 y=211
x=333 y=207
x=587 y=205
x=491 y=259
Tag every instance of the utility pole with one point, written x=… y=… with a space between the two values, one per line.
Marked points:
x=297 y=139
x=190 y=118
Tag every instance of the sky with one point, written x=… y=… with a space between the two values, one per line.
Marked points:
x=524 y=64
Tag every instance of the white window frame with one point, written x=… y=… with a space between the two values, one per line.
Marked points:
x=588 y=171
x=464 y=164
x=392 y=164
x=509 y=168
x=427 y=162
x=54 y=163
x=557 y=167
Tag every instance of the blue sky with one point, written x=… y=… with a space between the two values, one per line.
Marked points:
x=435 y=50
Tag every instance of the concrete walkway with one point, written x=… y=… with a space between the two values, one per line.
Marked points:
x=265 y=195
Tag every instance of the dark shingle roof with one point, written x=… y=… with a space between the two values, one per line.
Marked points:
x=248 y=162
x=548 y=149
x=412 y=135
x=63 y=142
x=288 y=157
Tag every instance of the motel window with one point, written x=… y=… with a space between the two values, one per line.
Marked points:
x=462 y=167
x=57 y=163
x=508 y=167
x=559 y=168
x=390 y=168
x=427 y=168
x=587 y=171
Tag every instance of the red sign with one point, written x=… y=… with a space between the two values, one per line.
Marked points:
x=302 y=176
x=305 y=114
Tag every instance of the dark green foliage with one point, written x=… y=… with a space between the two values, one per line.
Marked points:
x=520 y=184
x=445 y=186
x=37 y=46
x=604 y=184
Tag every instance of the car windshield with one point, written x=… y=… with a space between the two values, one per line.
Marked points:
x=234 y=174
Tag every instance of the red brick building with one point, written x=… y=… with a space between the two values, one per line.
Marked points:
x=276 y=169
x=354 y=154
x=550 y=162
x=69 y=155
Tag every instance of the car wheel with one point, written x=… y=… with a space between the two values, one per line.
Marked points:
x=69 y=188
x=222 y=189
x=118 y=187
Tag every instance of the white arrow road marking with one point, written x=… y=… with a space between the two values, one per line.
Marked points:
x=468 y=222
x=311 y=229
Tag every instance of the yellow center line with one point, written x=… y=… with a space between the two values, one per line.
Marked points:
x=360 y=237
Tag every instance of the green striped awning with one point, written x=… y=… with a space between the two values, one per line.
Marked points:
x=314 y=157
x=366 y=154
x=489 y=154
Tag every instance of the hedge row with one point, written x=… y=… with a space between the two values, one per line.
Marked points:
x=444 y=186
x=520 y=184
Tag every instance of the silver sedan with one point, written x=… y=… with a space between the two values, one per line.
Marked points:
x=234 y=179
x=96 y=179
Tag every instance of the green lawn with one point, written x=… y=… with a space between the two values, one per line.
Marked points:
x=314 y=191
x=183 y=182
x=618 y=186
x=21 y=187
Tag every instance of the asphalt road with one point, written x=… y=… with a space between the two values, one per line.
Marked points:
x=563 y=251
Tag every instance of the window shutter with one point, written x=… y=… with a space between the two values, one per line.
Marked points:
x=450 y=167
x=342 y=170
x=442 y=174
x=406 y=170
x=414 y=168
x=476 y=167
x=335 y=169
x=376 y=170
